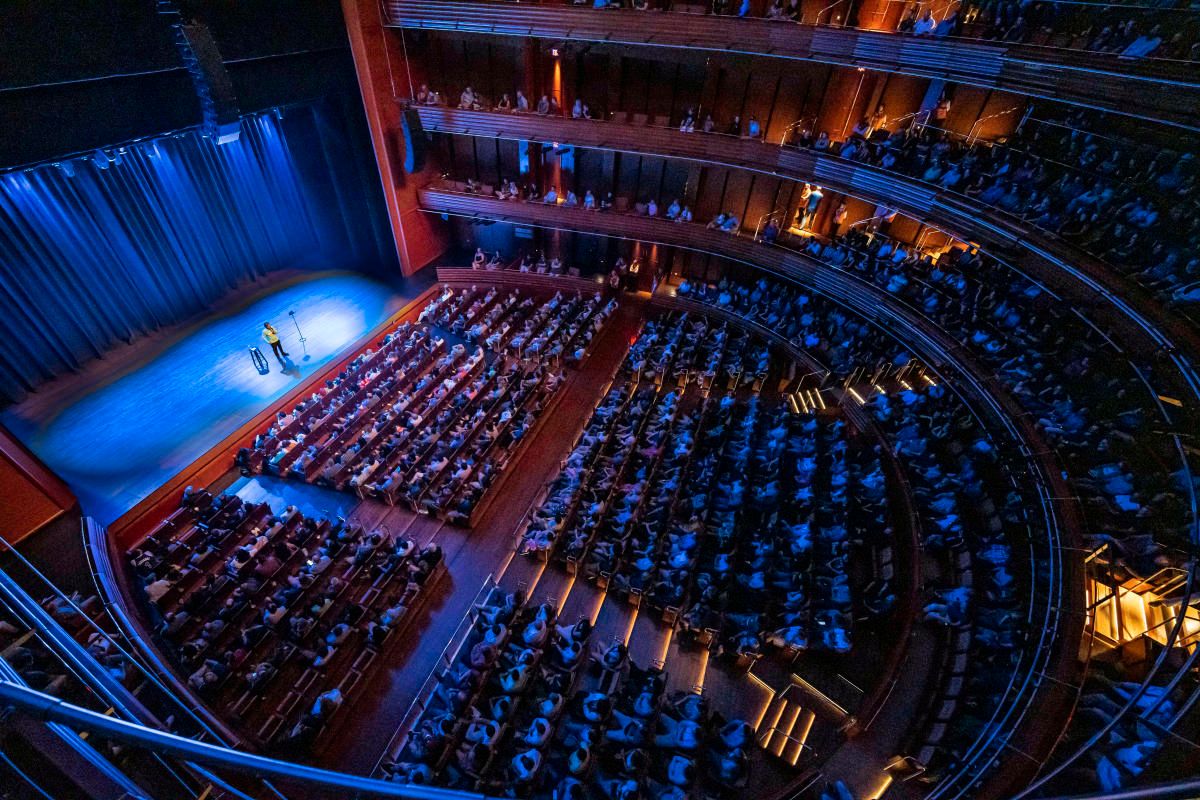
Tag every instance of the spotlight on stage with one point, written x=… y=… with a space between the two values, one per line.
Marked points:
x=303 y=346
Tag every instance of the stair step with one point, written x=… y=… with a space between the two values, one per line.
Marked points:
x=784 y=729
x=800 y=735
x=771 y=718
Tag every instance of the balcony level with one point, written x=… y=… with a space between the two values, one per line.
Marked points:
x=1083 y=279
x=1165 y=91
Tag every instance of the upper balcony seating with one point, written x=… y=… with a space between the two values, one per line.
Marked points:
x=1067 y=74
x=1007 y=198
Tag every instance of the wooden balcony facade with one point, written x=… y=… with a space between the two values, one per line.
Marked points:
x=1166 y=91
x=1084 y=280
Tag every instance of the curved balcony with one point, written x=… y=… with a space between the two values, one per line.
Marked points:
x=1063 y=584
x=936 y=348
x=1083 y=278
x=1165 y=91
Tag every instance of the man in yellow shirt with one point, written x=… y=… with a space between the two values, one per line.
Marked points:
x=271 y=337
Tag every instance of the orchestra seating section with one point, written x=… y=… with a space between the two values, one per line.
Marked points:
x=529 y=704
x=531 y=707
x=276 y=619
x=429 y=424
x=763 y=534
x=756 y=550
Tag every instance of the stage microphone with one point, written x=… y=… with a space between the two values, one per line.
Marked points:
x=414 y=141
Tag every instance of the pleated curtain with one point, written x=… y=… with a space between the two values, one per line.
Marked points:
x=100 y=249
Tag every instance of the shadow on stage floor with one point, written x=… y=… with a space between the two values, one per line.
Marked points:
x=139 y=416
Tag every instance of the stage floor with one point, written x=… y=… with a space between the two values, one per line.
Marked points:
x=115 y=438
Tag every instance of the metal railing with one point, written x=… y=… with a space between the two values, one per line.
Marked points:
x=39 y=706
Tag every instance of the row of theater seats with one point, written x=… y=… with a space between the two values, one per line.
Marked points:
x=665 y=351
x=416 y=422
x=275 y=619
x=529 y=706
x=1123 y=201
x=789 y=510
x=970 y=523
x=977 y=599
x=1130 y=204
x=972 y=533
x=707 y=503
x=1085 y=394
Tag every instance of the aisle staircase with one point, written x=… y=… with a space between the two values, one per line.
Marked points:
x=784 y=726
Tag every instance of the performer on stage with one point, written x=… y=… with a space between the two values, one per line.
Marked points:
x=271 y=337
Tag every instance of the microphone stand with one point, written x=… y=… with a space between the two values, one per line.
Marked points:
x=303 y=346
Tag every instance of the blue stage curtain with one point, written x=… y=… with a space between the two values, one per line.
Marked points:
x=100 y=249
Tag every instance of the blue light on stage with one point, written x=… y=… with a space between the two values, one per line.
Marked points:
x=99 y=249
x=118 y=443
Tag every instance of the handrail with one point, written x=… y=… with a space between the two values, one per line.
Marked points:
x=85 y=667
x=790 y=128
x=770 y=215
x=51 y=709
x=834 y=4
x=79 y=745
x=69 y=650
x=972 y=138
x=978 y=40
x=95 y=549
x=1062 y=75
x=1184 y=790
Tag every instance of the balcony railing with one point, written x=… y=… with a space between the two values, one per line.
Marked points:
x=1042 y=255
x=1150 y=89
